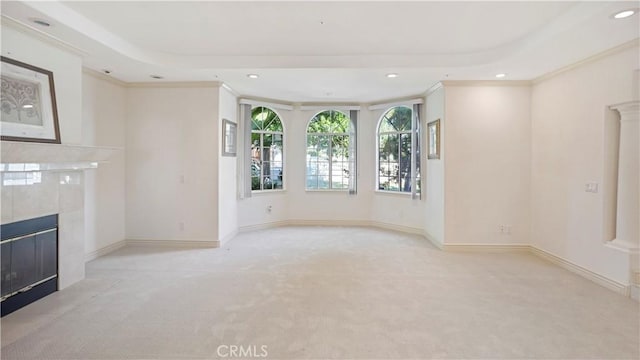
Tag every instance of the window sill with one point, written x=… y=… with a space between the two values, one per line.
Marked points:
x=330 y=191
x=267 y=192
x=393 y=193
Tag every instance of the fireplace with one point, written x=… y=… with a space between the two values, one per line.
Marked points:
x=29 y=266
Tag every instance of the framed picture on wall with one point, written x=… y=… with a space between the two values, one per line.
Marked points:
x=229 y=133
x=433 y=131
x=28 y=109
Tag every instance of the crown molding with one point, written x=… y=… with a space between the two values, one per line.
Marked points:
x=177 y=84
x=42 y=36
x=397 y=102
x=101 y=76
x=591 y=59
x=486 y=83
x=435 y=87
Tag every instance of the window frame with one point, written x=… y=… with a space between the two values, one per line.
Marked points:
x=410 y=132
x=262 y=190
x=349 y=133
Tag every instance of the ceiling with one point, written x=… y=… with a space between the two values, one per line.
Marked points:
x=329 y=51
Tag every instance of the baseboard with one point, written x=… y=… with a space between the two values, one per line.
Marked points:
x=584 y=272
x=104 y=251
x=269 y=225
x=485 y=247
x=363 y=223
x=433 y=240
x=399 y=228
x=174 y=243
x=228 y=237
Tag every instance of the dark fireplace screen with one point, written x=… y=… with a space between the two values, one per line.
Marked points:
x=29 y=267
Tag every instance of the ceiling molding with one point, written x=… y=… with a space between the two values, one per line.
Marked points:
x=177 y=84
x=266 y=103
x=230 y=90
x=591 y=59
x=396 y=102
x=42 y=36
x=435 y=87
x=321 y=107
x=486 y=83
x=101 y=76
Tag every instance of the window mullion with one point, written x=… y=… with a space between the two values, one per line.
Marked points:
x=330 y=161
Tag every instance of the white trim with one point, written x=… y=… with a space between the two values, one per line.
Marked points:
x=620 y=48
x=388 y=105
x=329 y=107
x=263 y=226
x=230 y=89
x=174 y=243
x=228 y=237
x=357 y=223
x=433 y=240
x=584 y=272
x=273 y=105
x=485 y=248
x=104 y=251
x=41 y=35
x=435 y=87
x=486 y=83
x=175 y=84
x=102 y=76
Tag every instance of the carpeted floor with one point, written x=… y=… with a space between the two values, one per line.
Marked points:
x=321 y=292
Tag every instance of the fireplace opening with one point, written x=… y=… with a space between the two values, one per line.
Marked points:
x=29 y=261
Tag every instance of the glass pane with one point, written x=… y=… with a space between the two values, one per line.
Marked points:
x=23 y=262
x=323 y=182
x=340 y=147
x=329 y=121
x=255 y=182
x=396 y=119
x=5 y=269
x=405 y=163
x=46 y=259
x=312 y=182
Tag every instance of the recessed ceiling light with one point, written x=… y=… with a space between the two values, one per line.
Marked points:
x=253 y=76
x=40 y=22
x=157 y=77
x=624 y=14
x=106 y=71
x=27 y=106
x=499 y=76
x=392 y=75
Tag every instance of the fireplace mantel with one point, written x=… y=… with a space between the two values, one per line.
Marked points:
x=25 y=156
x=44 y=179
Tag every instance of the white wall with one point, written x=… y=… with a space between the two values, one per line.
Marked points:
x=103 y=124
x=434 y=189
x=67 y=76
x=227 y=171
x=569 y=118
x=487 y=171
x=172 y=163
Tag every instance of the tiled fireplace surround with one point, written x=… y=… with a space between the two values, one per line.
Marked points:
x=45 y=179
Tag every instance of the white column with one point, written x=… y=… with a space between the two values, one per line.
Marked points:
x=628 y=206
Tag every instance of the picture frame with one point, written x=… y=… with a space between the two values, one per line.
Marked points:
x=433 y=140
x=229 y=136
x=28 y=109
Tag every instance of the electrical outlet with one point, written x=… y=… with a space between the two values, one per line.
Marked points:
x=591 y=187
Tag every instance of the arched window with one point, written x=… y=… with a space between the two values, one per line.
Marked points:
x=267 y=160
x=397 y=146
x=330 y=154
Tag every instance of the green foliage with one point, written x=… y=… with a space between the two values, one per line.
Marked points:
x=265 y=119
x=330 y=121
x=396 y=119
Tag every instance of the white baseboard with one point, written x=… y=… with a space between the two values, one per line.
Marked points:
x=363 y=223
x=228 y=237
x=485 y=248
x=174 y=243
x=433 y=240
x=104 y=251
x=584 y=272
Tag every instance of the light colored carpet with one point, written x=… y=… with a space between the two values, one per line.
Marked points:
x=318 y=292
